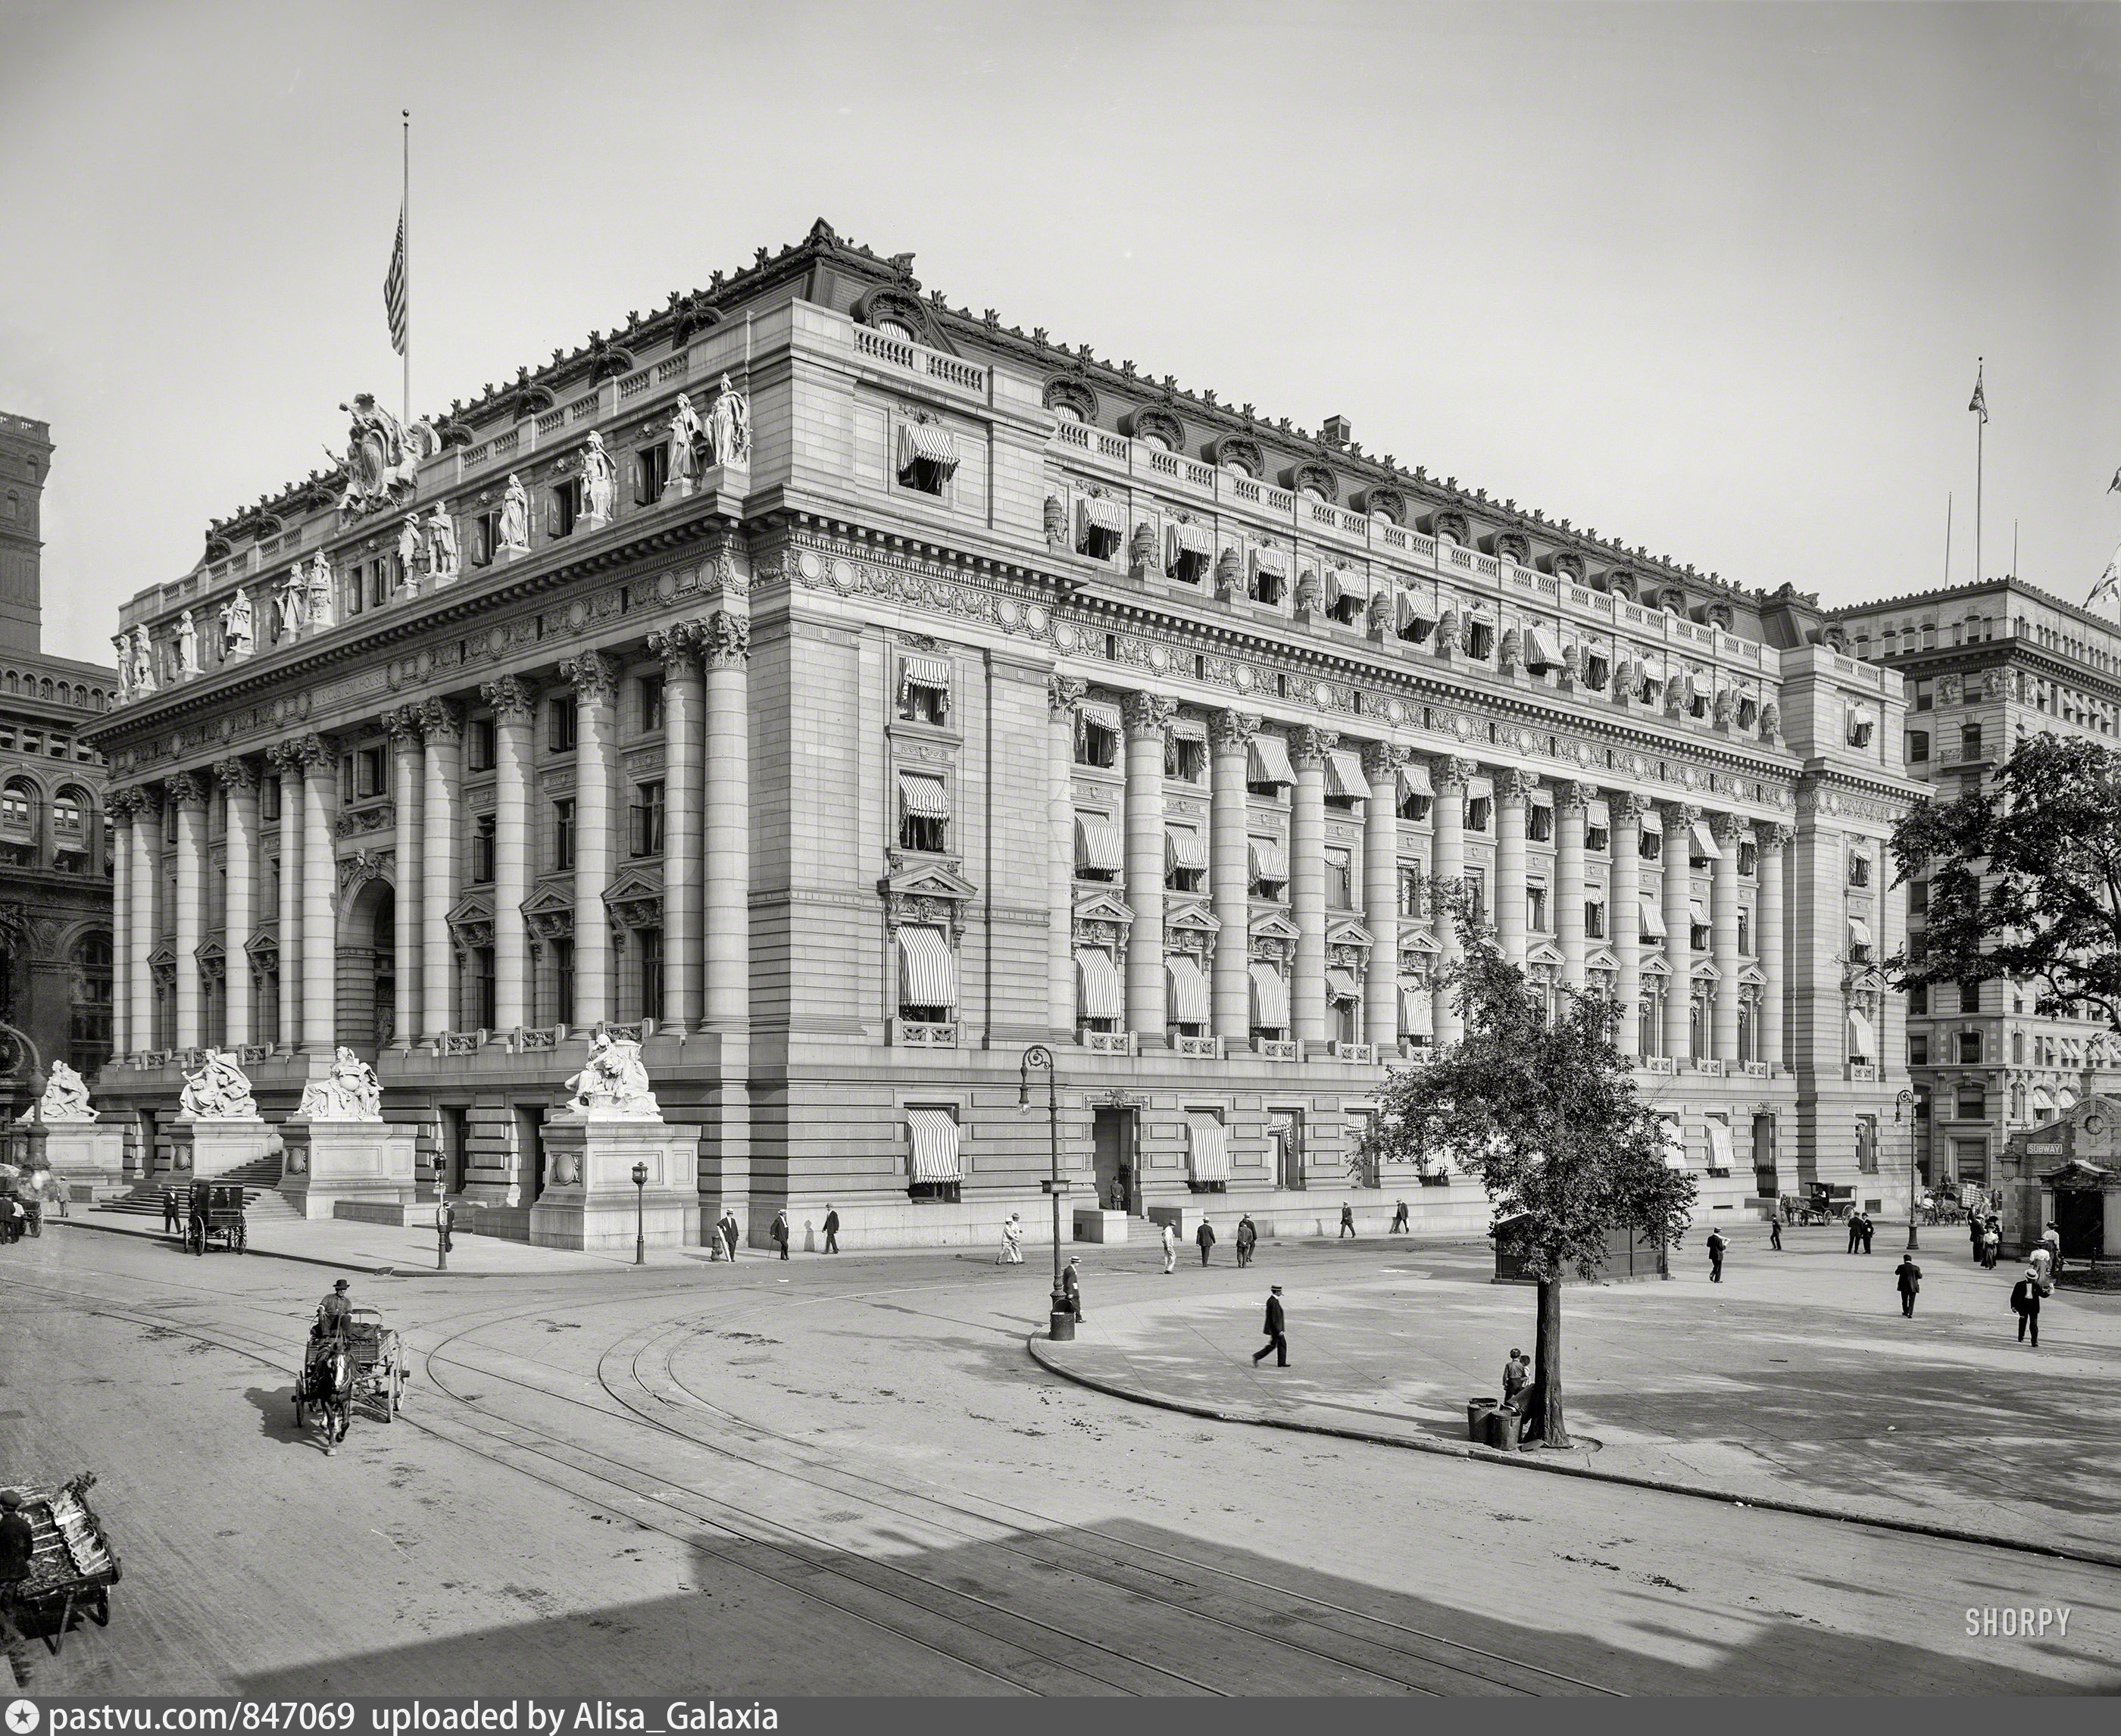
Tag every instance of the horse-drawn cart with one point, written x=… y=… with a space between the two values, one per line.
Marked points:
x=378 y=1361
x=215 y=1219
x=72 y=1564
x=362 y=1362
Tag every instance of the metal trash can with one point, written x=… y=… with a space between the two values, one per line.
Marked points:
x=1061 y=1325
x=1476 y=1417
x=1501 y=1424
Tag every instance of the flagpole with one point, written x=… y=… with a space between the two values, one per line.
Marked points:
x=405 y=209
x=1947 y=539
x=1980 y=437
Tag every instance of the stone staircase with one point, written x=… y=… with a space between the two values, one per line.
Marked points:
x=259 y=1179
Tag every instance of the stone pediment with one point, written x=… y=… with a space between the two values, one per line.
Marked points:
x=1707 y=971
x=1419 y=940
x=1654 y=964
x=1598 y=958
x=2076 y=1173
x=1192 y=918
x=1750 y=976
x=1101 y=904
x=549 y=900
x=928 y=879
x=1273 y=925
x=1347 y=933
x=1544 y=952
x=635 y=899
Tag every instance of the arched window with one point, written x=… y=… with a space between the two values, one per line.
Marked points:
x=14 y=682
x=1067 y=413
x=18 y=812
x=1156 y=441
x=45 y=688
x=88 y=1033
x=70 y=812
x=899 y=329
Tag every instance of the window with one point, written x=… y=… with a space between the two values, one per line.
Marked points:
x=566 y=506
x=1184 y=758
x=563 y=981
x=1653 y=845
x=1409 y=889
x=1866 y=1145
x=1101 y=526
x=369 y=773
x=648 y=963
x=485 y=538
x=1918 y=999
x=1970 y=1047
x=923 y=812
x=927 y=458
x=933 y=1170
x=1097 y=737
x=651 y=473
x=563 y=834
x=481 y=987
x=1859 y=871
x=17 y=813
x=1479 y=813
x=1535 y=909
x=1745 y=930
x=1969 y=997
x=648 y=703
x=1918 y=898
x=1480 y=641
x=1413 y=804
x=2017 y=1048
x=562 y=721
x=923 y=690
x=1597 y=838
x=1539 y=824
x=269 y=799
x=481 y=752
x=1972 y=1103
x=1918 y=1048
x=1969 y=741
x=1476 y=893
x=645 y=820
x=1340 y=879
x=1594 y=920
x=1186 y=860
x=1268 y=580
x=90 y=1019
x=482 y=850
x=1925 y=696
x=927 y=976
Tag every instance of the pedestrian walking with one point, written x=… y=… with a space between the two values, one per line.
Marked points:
x=2043 y=1269
x=1400 y=1225
x=1012 y=1242
x=1347 y=1221
x=1248 y=1238
x=1775 y=1234
x=780 y=1230
x=730 y=1231
x=1716 y=1246
x=1977 y=1231
x=1170 y=1248
x=2025 y=1303
x=1277 y=1331
x=445 y=1225
x=169 y=1209
x=1071 y=1286
x=1206 y=1235
x=832 y=1229
x=2052 y=1237
x=1855 y=1230
x=1992 y=1244
x=1908 y=1275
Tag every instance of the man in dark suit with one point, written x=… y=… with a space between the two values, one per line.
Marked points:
x=1907 y=1277
x=779 y=1232
x=171 y=1223
x=832 y=1229
x=1206 y=1235
x=1277 y=1331
x=1716 y=1246
x=1071 y=1286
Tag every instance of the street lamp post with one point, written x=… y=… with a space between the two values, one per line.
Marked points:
x=1905 y=1105
x=640 y=1238
x=1060 y=1322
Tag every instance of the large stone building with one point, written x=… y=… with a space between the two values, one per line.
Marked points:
x=55 y=974
x=1985 y=665
x=851 y=690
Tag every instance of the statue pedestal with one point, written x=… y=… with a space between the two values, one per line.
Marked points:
x=589 y=1198
x=198 y=1149
x=371 y=1161
x=88 y=1157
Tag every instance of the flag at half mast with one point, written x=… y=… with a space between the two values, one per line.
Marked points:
x=1979 y=406
x=394 y=288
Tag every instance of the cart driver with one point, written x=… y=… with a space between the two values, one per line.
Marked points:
x=333 y=1312
x=18 y=1542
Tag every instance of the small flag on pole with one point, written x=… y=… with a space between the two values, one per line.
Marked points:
x=1979 y=406
x=2114 y=486
x=2108 y=588
x=393 y=288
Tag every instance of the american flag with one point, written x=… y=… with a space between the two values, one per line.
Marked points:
x=393 y=288
x=1979 y=406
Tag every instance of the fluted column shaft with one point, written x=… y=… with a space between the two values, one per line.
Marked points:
x=683 y=860
x=595 y=679
x=726 y=989
x=1447 y=875
x=1147 y=716
x=1623 y=918
x=512 y=703
x=1568 y=882
x=1381 y=764
x=239 y=917
x=1061 y=694
x=1892 y=1002
x=1230 y=874
x=189 y=794
x=1307 y=883
x=1774 y=841
x=123 y=1038
x=442 y=730
x=1513 y=794
x=146 y=880
x=319 y=908
x=1723 y=936
x=408 y=939
x=1679 y=929
x=291 y=897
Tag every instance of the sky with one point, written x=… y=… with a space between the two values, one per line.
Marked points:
x=1713 y=279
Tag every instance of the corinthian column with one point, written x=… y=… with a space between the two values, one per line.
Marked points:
x=1679 y=822
x=1146 y=714
x=1775 y=841
x=513 y=699
x=287 y=756
x=133 y=922
x=121 y=925
x=441 y=730
x=320 y=897
x=189 y=792
x=239 y=777
x=1381 y=764
x=1624 y=840
x=1306 y=881
x=147 y=882
x=408 y=932
x=594 y=678
x=1724 y=934
x=725 y=650
x=1568 y=803
x=678 y=646
x=1449 y=776
x=1513 y=795
x=1230 y=873
x=1061 y=694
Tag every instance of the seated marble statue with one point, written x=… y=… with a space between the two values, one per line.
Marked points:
x=349 y=1092
x=65 y=1098
x=615 y=1083
x=217 y=1091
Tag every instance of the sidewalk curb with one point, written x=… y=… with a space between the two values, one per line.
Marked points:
x=1555 y=1467
x=252 y=1253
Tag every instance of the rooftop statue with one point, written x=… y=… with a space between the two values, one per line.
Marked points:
x=322 y=610
x=349 y=1092
x=124 y=643
x=188 y=662
x=239 y=633
x=599 y=479
x=614 y=1084
x=687 y=431
x=65 y=1098
x=409 y=552
x=515 y=518
x=442 y=560
x=291 y=601
x=383 y=455
x=729 y=424
x=217 y=1091
x=143 y=662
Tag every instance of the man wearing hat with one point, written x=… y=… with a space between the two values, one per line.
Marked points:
x=18 y=1542
x=333 y=1312
x=1277 y=1331
x=1071 y=1286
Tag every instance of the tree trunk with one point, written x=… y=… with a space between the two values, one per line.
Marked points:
x=1544 y=1421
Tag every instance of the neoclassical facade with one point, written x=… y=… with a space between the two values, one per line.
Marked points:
x=844 y=691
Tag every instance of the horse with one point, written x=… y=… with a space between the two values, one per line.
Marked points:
x=326 y=1386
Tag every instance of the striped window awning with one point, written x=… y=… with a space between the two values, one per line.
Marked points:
x=1101 y=994
x=1268 y=761
x=1704 y=842
x=1596 y=813
x=1697 y=913
x=927 y=968
x=1190 y=537
x=1104 y=713
x=1414 y=781
x=1346 y=582
x=1184 y=729
x=1098 y=847
x=1189 y=1003
x=1859 y=931
x=1652 y=917
x=916 y=671
x=926 y=440
x=1540 y=654
x=1340 y=986
x=1415 y=1016
x=1269 y=859
x=1207 y=1149
x=1719 y=1144
x=934 y=1133
x=1266 y=558
x=1185 y=847
x=1675 y=1142
x=1862 y=1041
x=1415 y=611
x=1540 y=795
x=1343 y=774
x=1270 y=998
x=924 y=794
x=1102 y=512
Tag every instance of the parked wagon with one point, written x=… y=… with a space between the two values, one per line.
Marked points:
x=215 y=1219
x=72 y=1564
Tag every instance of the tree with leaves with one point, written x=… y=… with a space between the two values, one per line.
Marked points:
x=2025 y=880
x=1544 y=1111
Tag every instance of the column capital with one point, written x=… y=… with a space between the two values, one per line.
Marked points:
x=1776 y=836
x=1232 y=732
x=1062 y=694
x=236 y=774
x=593 y=675
x=1728 y=829
x=1447 y=771
x=726 y=639
x=1382 y=759
x=678 y=646
x=1146 y=713
x=1626 y=807
x=1570 y=797
x=404 y=725
x=188 y=789
x=1681 y=816
x=1513 y=787
x=127 y=804
x=296 y=754
x=510 y=696
x=1309 y=746
x=441 y=719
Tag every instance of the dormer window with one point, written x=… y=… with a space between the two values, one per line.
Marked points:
x=927 y=458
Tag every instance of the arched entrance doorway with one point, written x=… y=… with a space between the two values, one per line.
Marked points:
x=367 y=977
